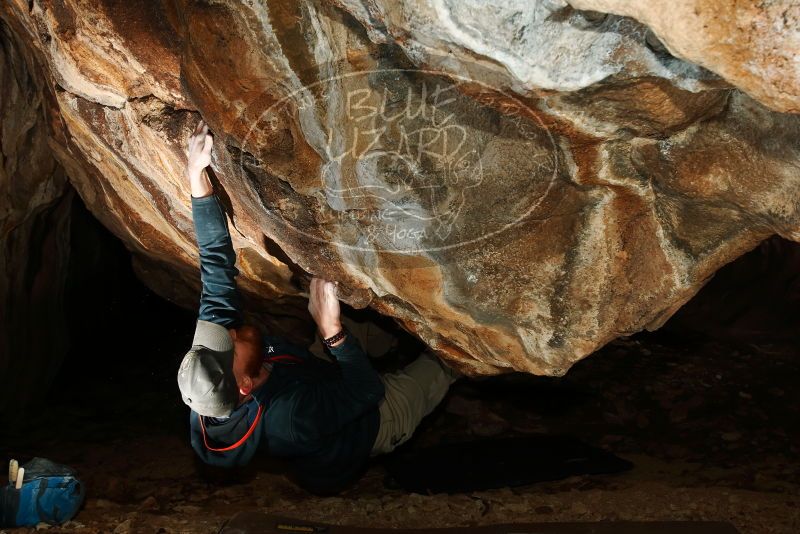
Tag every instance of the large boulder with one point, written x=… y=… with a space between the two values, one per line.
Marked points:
x=516 y=182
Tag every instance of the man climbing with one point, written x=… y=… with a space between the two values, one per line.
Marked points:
x=248 y=391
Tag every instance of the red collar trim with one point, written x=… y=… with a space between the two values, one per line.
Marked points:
x=238 y=443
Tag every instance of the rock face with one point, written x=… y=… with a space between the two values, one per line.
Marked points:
x=34 y=231
x=516 y=182
x=752 y=45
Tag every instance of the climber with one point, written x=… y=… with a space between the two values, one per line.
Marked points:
x=250 y=391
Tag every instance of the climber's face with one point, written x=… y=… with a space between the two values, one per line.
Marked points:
x=248 y=355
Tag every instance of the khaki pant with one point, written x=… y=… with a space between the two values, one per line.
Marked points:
x=411 y=393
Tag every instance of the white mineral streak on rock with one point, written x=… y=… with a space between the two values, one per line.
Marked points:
x=518 y=35
x=71 y=79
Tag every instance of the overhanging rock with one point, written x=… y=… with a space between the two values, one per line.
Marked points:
x=517 y=183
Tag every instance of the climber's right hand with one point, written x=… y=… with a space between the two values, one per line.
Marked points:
x=199 y=157
x=323 y=304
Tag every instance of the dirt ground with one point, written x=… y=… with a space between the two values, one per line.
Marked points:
x=712 y=430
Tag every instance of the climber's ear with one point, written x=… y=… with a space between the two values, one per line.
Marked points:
x=245 y=385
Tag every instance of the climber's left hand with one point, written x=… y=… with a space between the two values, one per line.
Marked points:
x=199 y=157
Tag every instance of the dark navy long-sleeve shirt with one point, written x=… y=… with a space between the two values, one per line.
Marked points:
x=323 y=416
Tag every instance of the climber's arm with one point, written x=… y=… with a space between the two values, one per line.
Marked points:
x=219 y=300
x=313 y=411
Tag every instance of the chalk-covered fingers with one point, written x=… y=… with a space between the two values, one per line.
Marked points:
x=199 y=150
x=323 y=304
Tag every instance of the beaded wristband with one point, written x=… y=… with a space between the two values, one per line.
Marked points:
x=335 y=338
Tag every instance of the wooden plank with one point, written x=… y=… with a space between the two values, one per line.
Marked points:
x=260 y=523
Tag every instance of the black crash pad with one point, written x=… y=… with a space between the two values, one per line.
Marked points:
x=259 y=523
x=497 y=463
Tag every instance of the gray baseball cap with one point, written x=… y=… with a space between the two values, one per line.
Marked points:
x=205 y=376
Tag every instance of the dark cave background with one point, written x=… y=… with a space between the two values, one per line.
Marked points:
x=112 y=375
x=120 y=350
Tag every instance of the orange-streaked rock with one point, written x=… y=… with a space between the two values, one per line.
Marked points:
x=516 y=198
